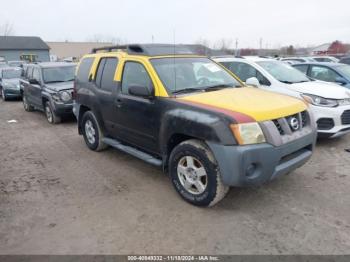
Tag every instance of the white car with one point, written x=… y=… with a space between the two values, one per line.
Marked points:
x=325 y=59
x=329 y=103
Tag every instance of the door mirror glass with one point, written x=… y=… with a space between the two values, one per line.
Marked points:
x=253 y=81
x=33 y=82
x=141 y=91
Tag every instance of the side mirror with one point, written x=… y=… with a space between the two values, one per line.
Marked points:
x=253 y=81
x=141 y=91
x=33 y=82
x=340 y=80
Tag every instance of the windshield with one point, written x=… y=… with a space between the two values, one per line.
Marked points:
x=58 y=74
x=283 y=72
x=344 y=70
x=8 y=74
x=192 y=74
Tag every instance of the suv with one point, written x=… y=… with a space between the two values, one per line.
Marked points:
x=190 y=115
x=48 y=87
x=9 y=82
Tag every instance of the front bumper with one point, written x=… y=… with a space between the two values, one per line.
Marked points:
x=63 y=109
x=12 y=92
x=256 y=164
x=334 y=113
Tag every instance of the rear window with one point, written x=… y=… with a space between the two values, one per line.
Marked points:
x=84 y=70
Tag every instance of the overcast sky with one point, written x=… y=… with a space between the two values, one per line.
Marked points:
x=277 y=22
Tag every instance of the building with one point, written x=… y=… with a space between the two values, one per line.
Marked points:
x=63 y=50
x=15 y=47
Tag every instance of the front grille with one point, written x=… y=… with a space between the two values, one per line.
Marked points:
x=325 y=123
x=279 y=127
x=292 y=123
x=345 y=117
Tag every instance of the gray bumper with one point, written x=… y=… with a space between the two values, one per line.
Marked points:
x=256 y=164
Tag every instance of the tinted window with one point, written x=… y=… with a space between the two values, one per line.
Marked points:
x=345 y=61
x=134 y=74
x=107 y=80
x=323 y=73
x=99 y=72
x=36 y=74
x=84 y=70
x=302 y=68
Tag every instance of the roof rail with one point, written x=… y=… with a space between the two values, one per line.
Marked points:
x=128 y=48
x=148 y=49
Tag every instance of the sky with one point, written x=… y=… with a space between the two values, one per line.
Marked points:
x=271 y=23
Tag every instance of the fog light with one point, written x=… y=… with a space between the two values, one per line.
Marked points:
x=250 y=172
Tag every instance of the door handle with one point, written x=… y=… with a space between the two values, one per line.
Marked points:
x=118 y=102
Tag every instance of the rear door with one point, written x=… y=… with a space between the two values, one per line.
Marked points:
x=106 y=89
x=35 y=89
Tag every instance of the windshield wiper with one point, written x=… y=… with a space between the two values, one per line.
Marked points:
x=187 y=90
x=219 y=86
x=57 y=81
x=286 y=82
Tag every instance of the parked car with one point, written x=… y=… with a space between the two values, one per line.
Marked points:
x=16 y=63
x=188 y=114
x=3 y=64
x=48 y=87
x=328 y=72
x=294 y=60
x=329 y=59
x=329 y=103
x=345 y=60
x=9 y=82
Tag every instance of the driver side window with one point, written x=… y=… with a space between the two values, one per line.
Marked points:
x=135 y=73
x=323 y=73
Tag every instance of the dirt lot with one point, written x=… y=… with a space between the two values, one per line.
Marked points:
x=58 y=197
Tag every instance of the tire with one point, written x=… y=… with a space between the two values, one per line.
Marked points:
x=195 y=174
x=51 y=117
x=92 y=132
x=26 y=105
x=3 y=95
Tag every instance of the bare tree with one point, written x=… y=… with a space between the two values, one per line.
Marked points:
x=202 y=41
x=6 y=29
x=224 y=44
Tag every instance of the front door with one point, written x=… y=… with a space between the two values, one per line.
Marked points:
x=137 y=118
x=35 y=89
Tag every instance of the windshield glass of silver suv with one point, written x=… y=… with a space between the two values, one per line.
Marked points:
x=191 y=74
x=283 y=72
x=11 y=73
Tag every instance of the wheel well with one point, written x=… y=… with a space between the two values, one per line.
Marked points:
x=82 y=111
x=174 y=140
x=44 y=100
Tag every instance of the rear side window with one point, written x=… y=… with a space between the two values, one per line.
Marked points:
x=302 y=68
x=84 y=70
x=109 y=65
x=36 y=74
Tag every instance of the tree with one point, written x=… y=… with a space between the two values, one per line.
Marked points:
x=337 y=47
x=6 y=29
x=290 y=50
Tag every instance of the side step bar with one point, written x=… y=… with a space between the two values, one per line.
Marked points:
x=133 y=151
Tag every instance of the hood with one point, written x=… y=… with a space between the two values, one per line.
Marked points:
x=12 y=81
x=258 y=104
x=323 y=89
x=60 y=86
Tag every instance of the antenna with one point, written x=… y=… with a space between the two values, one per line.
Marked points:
x=174 y=63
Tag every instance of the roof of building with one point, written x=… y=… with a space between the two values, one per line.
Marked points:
x=22 y=43
x=321 y=48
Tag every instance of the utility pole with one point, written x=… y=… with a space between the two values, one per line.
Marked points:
x=236 y=51
x=261 y=44
x=152 y=39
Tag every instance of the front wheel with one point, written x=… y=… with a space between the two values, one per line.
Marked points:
x=3 y=95
x=195 y=174
x=50 y=114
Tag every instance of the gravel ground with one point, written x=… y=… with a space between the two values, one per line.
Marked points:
x=58 y=197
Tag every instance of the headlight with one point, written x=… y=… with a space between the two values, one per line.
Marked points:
x=65 y=96
x=344 y=102
x=249 y=133
x=319 y=101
